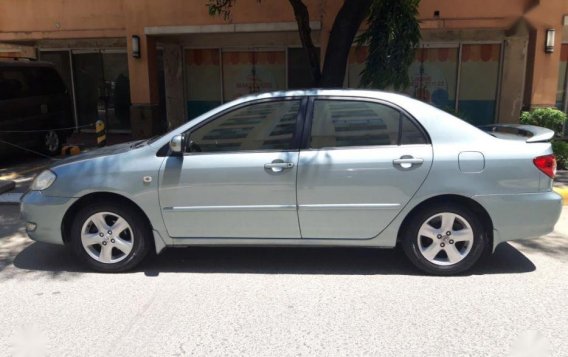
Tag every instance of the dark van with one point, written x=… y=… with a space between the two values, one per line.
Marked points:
x=34 y=106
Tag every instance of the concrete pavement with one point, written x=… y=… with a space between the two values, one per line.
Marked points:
x=259 y=301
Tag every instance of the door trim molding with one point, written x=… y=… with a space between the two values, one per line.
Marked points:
x=341 y=206
x=232 y=208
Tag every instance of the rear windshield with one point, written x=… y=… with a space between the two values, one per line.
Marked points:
x=20 y=82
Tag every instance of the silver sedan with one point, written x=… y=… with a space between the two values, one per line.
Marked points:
x=305 y=168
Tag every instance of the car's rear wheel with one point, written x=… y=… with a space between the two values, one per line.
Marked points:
x=51 y=142
x=444 y=240
x=110 y=238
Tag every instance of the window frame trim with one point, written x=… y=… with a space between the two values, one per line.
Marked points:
x=307 y=131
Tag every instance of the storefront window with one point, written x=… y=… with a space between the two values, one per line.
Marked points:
x=246 y=72
x=102 y=88
x=433 y=77
x=203 y=80
x=478 y=83
x=562 y=78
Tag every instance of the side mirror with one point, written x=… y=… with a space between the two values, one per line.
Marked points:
x=176 y=144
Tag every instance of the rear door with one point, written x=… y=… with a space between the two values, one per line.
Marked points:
x=363 y=161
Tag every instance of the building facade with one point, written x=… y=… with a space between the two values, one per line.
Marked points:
x=146 y=66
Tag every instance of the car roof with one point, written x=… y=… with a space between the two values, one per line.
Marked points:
x=28 y=64
x=344 y=92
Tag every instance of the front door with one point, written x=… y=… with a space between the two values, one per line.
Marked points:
x=238 y=176
x=363 y=162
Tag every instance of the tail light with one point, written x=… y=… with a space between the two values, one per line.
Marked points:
x=546 y=164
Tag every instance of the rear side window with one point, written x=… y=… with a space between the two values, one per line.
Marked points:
x=13 y=84
x=47 y=81
x=21 y=82
x=340 y=123
x=411 y=134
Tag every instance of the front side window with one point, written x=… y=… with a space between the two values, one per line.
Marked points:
x=264 y=126
x=340 y=123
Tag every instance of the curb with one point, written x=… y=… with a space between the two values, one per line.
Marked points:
x=6 y=186
x=562 y=191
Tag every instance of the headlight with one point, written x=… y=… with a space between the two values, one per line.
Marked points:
x=43 y=181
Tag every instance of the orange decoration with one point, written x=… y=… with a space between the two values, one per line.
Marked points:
x=423 y=54
x=443 y=54
x=362 y=54
x=234 y=57
x=198 y=57
x=466 y=53
x=487 y=52
x=271 y=57
x=564 y=52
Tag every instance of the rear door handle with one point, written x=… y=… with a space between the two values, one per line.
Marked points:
x=407 y=161
x=278 y=166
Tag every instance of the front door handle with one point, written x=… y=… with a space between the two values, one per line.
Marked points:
x=278 y=166
x=407 y=161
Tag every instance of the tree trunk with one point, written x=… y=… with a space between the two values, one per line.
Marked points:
x=345 y=27
x=303 y=20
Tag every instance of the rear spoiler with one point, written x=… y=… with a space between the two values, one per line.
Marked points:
x=534 y=134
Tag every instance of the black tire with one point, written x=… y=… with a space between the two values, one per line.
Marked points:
x=440 y=264
x=51 y=142
x=140 y=235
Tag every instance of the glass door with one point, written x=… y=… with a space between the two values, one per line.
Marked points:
x=61 y=60
x=102 y=88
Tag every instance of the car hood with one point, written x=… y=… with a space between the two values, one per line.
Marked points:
x=100 y=152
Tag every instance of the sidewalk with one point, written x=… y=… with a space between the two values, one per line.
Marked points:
x=561 y=184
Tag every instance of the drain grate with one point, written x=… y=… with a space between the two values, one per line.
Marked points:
x=13 y=197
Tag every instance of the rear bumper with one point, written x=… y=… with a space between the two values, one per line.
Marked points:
x=522 y=216
x=46 y=213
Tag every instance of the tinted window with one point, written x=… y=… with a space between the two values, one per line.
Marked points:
x=411 y=134
x=13 y=84
x=339 y=123
x=46 y=81
x=265 y=126
x=29 y=81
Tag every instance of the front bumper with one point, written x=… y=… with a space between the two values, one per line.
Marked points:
x=522 y=216
x=46 y=212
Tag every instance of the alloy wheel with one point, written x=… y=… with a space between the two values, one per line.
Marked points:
x=51 y=141
x=107 y=237
x=445 y=239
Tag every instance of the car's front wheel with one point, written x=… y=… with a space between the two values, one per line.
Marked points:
x=444 y=240
x=110 y=238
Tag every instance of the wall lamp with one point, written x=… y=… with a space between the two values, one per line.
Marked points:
x=135 y=46
x=549 y=44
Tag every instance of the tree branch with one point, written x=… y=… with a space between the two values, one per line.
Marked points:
x=220 y=7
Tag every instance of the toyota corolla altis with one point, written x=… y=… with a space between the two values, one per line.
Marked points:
x=305 y=168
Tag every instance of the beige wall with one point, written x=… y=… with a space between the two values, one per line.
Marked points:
x=22 y=20
x=543 y=67
x=30 y=21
